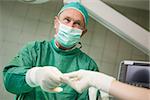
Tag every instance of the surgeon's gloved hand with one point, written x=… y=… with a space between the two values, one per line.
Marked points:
x=48 y=78
x=83 y=79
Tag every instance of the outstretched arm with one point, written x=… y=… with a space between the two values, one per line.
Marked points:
x=128 y=92
x=83 y=79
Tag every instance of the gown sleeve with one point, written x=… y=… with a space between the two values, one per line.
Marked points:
x=14 y=73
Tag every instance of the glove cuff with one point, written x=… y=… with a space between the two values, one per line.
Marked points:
x=104 y=82
x=31 y=77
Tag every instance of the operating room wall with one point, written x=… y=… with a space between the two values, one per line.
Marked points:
x=21 y=23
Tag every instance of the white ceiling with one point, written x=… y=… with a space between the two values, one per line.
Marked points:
x=139 y=4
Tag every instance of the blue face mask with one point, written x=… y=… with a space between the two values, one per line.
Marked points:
x=68 y=36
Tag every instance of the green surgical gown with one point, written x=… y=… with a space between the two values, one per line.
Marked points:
x=45 y=53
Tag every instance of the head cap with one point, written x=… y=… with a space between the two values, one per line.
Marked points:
x=77 y=6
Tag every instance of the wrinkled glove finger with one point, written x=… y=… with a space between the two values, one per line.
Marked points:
x=48 y=88
x=51 y=84
x=81 y=85
x=73 y=82
x=68 y=81
x=55 y=76
x=72 y=75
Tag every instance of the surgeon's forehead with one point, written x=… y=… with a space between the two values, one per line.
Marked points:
x=72 y=13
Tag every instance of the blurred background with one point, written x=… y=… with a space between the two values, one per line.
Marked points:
x=21 y=23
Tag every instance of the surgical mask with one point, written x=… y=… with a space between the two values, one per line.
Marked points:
x=68 y=36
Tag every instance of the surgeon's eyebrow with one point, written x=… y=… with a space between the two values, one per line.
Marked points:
x=69 y=18
x=78 y=22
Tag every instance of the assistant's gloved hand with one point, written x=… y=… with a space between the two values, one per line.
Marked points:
x=83 y=79
x=48 y=78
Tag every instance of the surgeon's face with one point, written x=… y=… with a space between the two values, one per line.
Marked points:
x=72 y=18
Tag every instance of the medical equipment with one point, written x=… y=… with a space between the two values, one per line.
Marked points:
x=135 y=73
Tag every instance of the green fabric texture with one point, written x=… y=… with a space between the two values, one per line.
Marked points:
x=45 y=53
x=77 y=6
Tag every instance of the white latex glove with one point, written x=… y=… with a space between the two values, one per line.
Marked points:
x=92 y=93
x=83 y=79
x=48 y=78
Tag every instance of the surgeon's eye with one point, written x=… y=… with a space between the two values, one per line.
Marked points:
x=77 y=24
x=66 y=20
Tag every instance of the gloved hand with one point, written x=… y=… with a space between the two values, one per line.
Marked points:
x=83 y=79
x=48 y=78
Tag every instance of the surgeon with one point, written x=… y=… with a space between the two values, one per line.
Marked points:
x=34 y=73
x=83 y=79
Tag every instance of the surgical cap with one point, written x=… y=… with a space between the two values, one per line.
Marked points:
x=79 y=7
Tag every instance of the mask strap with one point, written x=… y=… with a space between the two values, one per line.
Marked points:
x=80 y=45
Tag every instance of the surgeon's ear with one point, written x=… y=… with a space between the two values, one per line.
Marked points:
x=56 y=22
x=84 y=31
